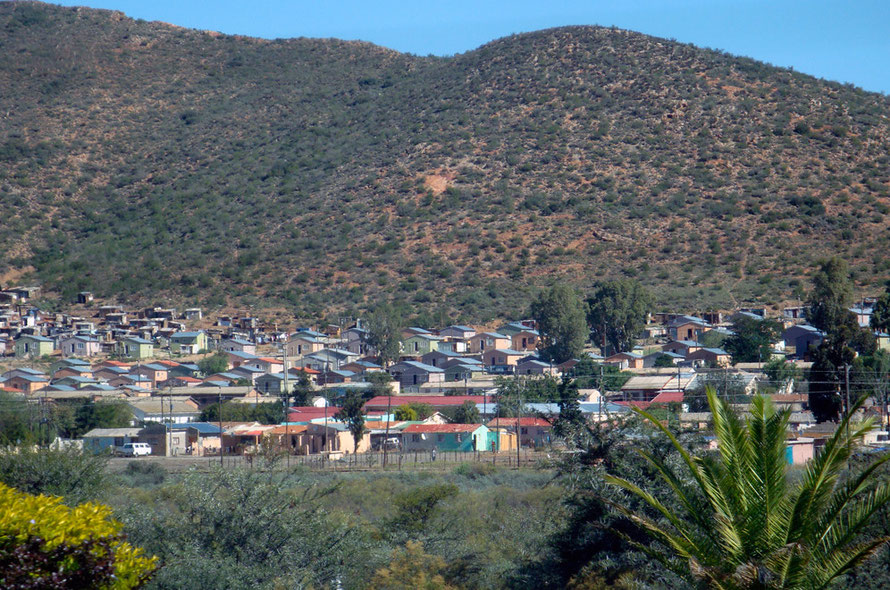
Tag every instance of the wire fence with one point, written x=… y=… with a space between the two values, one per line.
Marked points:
x=372 y=461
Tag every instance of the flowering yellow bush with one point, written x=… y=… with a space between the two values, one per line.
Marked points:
x=44 y=543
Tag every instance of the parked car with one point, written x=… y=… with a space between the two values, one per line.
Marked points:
x=133 y=449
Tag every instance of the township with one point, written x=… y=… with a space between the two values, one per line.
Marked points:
x=149 y=360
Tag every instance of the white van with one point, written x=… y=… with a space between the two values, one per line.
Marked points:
x=134 y=449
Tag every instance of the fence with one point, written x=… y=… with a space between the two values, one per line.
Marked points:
x=395 y=461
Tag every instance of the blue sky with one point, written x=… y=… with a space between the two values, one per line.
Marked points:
x=843 y=40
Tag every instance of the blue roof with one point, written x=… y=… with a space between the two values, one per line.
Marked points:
x=33 y=378
x=422 y=366
x=716 y=351
x=342 y=373
x=468 y=360
x=136 y=339
x=242 y=355
x=100 y=387
x=74 y=362
x=118 y=370
x=419 y=330
x=37 y=338
x=510 y=351
x=155 y=367
x=227 y=375
x=202 y=427
x=310 y=332
x=685 y=343
x=214 y=384
x=59 y=387
x=535 y=362
x=462 y=328
x=240 y=341
x=190 y=366
x=247 y=369
x=79 y=379
x=750 y=315
x=30 y=371
x=494 y=335
x=367 y=364
x=185 y=335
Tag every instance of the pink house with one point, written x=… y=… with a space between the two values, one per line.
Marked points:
x=80 y=346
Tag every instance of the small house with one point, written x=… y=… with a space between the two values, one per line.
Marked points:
x=479 y=343
x=135 y=348
x=80 y=346
x=32 y=346
x=447 y=437
x=188 y=342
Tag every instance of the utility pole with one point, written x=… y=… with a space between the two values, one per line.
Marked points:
x=219 y=418
x=388 y=410
x=286 y=404
x=518 y=429
x=170 y=422
x=847 y=413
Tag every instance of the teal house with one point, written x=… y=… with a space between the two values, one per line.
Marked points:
x=447 y=437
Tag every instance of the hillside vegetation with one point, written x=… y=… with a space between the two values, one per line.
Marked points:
x=148 y=162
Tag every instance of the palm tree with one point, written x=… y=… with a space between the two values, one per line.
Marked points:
x=740 y=522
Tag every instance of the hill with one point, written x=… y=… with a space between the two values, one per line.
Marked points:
x=152 y=163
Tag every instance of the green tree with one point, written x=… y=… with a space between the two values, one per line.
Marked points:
x=467 y=413
x=381 y=384
x=829 y=304
x=353 y=414
x=880 y=317
x=216 y=363
x=302 y=393
x=617 y=312
x=561 y=318
x=242 y=528
x=384 y=326
x=779 y=371
x=829 y=301
x=752 y=339
x=264 y=413
x=18 y=421
x=570 y=418
x=663 y=361
x=78 y=476
x=414 y=411
x=105 y=414
x=727 y=386
x=742 y=523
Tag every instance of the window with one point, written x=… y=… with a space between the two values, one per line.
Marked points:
x=415 y=438
x=416 y=347
x=440 y=437
x=524 y=430
x=460 y=437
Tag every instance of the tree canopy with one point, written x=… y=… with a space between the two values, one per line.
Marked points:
x=830 y=298
x=752 y=339
x=216 y=363
x=561 y=319
x=384 y=326
x=617 y=312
